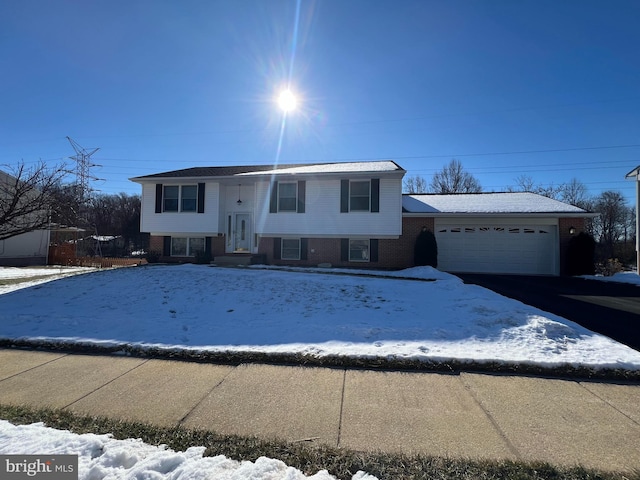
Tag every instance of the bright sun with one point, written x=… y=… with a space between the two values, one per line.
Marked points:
x=287 y=100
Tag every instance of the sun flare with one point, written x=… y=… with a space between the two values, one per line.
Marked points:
x=287 y=100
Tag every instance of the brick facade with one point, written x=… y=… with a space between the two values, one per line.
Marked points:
x=392 y=253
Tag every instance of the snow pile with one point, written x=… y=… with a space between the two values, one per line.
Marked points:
x=336 y=312
x=622 y=277
x=101 y=456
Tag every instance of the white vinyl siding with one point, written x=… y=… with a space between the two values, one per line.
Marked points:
x=168 y=223
x=322 y=217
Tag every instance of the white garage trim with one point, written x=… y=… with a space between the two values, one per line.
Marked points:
x=506 y=247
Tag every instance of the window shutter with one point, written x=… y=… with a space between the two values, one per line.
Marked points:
x=273 y=204
x=304 y=245
x=375 y=194
x=158 y=198
x=344 y=196
x=201 y=198
x=373 y=247
x=207 y=245
x=302 y=192
x=344 y=249
x=277 y=248
x=166 y=247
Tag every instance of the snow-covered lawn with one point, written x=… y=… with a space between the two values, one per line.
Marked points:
x=266 y=310
x=101 y=456
x=199 y=307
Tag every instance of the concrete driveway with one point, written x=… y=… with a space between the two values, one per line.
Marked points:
x=612 y=309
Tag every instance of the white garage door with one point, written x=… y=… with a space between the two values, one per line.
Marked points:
x=498 y=248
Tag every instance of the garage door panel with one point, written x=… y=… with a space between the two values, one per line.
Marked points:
x=498 y=248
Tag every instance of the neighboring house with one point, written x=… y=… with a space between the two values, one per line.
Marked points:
x=348 y=214
x=26 y=249
x=635 y=175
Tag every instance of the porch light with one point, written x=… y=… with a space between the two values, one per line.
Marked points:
x=572 y=230
x=239 y=202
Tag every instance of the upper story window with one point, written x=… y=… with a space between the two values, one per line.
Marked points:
x=180 y=198
x=188 y=198
x=360 y=195
x=170 y=198
x=287 y=196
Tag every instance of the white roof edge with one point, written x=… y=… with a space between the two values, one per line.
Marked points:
x=634 y=173
x=502 y=214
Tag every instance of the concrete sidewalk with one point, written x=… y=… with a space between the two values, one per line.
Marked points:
x=467 y=415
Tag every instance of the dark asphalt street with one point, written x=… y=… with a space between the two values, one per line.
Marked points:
x=612 y=309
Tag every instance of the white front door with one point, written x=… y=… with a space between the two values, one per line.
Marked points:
x=242 y=233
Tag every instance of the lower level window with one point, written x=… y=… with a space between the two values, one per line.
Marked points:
x=186 y=246
x=290 y=249
x=359 y=250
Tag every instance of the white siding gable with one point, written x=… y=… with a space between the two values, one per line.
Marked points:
x=179 y=222
x=322 y=217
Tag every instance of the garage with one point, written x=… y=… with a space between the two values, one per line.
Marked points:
x=497 y=248
x=512 y=232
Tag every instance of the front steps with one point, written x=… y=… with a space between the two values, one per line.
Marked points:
x=238 y=260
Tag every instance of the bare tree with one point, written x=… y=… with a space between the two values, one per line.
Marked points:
x=524 y=183
x=25 y=197
x=575 y=192
x=609 y=227
x=454 y=179
x=415 y=184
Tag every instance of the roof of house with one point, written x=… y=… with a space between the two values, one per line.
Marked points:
x=479 y=203
x=281 y=169
x=635 y=173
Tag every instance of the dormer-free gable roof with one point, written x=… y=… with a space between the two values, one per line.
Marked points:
x=281 y=169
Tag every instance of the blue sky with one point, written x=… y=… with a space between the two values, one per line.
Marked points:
x=545 y=88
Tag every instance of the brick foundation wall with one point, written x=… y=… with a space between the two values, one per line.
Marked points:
x=392 y=253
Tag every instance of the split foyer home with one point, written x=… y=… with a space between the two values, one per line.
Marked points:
x=348 y=215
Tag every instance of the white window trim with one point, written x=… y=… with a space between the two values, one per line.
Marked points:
x=179 y=210
x=282 y=256
x=295 y=209
x=360 y=260
x=188 y=253
x=368 y=182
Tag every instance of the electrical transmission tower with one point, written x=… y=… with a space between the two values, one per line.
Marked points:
x=83 y=186
x=83 y=162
